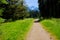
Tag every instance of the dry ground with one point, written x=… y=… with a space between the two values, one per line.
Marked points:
x=38 y=33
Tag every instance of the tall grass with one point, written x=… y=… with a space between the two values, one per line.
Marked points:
x=53 y=25
x=15 y=30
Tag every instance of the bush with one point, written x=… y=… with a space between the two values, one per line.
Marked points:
x=2 y=20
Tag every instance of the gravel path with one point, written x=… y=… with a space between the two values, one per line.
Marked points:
x=38 y=33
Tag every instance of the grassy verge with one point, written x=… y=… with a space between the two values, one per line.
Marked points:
x=15 y=30
x=53 y=26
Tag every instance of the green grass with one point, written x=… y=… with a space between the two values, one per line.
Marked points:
x=2 y=20
x=15 y=30
x=53 y=26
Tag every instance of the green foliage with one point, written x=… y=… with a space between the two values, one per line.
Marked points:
x=1 y=6
x=15 y=30
x=20 y=11
x=1 y=10
x=53 y=25
x=1 y=20
x=34 y=13
x=4 y=1
x=15 y=10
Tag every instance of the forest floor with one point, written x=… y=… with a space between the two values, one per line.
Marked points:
x=37 y=32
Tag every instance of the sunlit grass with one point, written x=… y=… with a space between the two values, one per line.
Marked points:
x=53 y=25
x=15 y=30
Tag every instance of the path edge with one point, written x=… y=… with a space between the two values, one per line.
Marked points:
x=49 y=32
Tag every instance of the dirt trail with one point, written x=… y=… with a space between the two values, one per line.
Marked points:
x=38 y=33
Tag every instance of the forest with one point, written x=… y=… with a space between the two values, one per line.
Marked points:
x=17 y=20
x=49 y=8
x=11 y=10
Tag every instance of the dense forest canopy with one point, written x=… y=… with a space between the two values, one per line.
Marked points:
x=49 y=8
